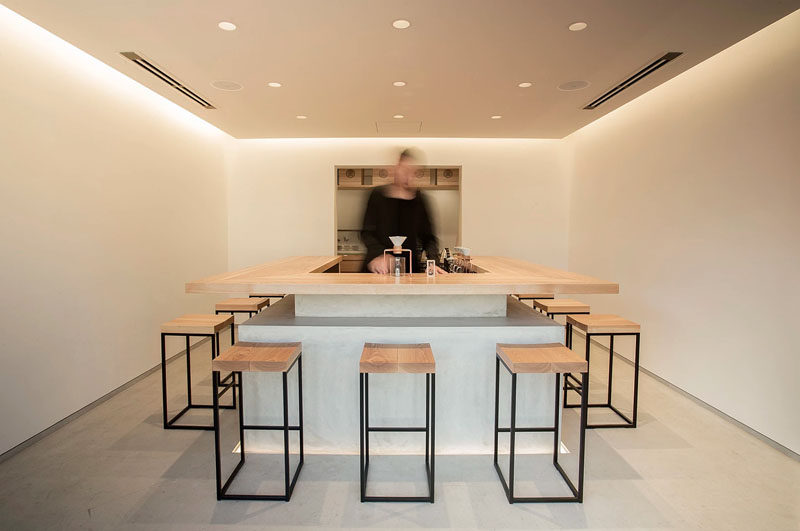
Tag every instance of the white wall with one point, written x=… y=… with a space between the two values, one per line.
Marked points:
x=112 y=197
x=689 y=196
x=514 y=194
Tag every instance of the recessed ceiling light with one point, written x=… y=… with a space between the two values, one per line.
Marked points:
x=525 y=84
x=578 y=26
x=401 y=24
x=496 y=117
x=399 y=83
x=301 y=116
x=274 y=84
x=222 y=84
x=573 y=85
x=398 y=116
x=227 y=26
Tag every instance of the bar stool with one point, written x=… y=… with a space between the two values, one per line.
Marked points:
x=249 y=305
x=551 y=358
x=259 y=357
x=534 y=296
x=611 y=326
x=267 y=296
x=192 y=325
x=555 y=307
x=387 y=358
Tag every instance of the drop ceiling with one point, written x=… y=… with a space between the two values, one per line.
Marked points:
x=461 y=60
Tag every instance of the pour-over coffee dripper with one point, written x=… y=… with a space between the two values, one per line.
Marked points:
x=397 y=241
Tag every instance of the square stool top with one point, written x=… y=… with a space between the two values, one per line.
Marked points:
x=388 y=358
x=195 y=323
x=257 y=357
x=534 y=295
x=561 y=306
x=249 y=304
x=541 y=359
x=603 y=324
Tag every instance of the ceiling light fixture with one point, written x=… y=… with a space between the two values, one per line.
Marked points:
x=398 y=116
x=274 y=84
x=401 y=24
x=496 y=117
x=525 y=84
x=578 y=26
x=227 y=26
x=399 y=83
x=301 y=116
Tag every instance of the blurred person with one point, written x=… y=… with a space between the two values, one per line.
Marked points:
x=399 y=209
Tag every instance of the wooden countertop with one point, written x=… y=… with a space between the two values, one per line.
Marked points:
x=304 y=275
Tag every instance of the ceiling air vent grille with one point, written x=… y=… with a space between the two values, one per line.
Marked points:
x=166 y=78
x=638 y=76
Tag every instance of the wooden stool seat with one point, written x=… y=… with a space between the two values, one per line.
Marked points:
x=388 y=358
x=257 y=357
x=561 y=306
x=603 y=324
x=250 y=304
x=526 y=296
x=541 y=359
x=197 y=324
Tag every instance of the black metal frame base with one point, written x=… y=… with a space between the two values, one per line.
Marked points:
x=227 y=384
x=508 y=487
x=429 y=429
x=289 y=482
x=571 y=383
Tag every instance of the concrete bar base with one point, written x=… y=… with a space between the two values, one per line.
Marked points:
x=464 y=348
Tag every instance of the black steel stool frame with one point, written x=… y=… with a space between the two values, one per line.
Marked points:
x=222 y=488
x=430 y=433
x=508 y=487
x=170 y=423
x=627 y=422
x=567 y=332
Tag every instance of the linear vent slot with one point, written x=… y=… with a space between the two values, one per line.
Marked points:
x=638 y=76
x=166 y=78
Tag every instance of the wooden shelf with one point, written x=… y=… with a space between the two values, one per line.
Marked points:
x=365 y=178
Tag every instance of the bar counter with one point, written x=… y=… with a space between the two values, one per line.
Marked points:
x=461 y=315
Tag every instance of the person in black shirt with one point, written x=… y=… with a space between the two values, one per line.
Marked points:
x=398 y=210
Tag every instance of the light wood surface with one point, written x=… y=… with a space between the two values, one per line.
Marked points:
x=547 y=358
x=387 y=358
x=257 y=357
x=561 y=305
x=303 y=275
x=249 y=304
x=602 y=323
x=527 y=296
x=197 y=324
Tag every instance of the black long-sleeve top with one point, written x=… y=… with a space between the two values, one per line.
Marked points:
x=389 y=216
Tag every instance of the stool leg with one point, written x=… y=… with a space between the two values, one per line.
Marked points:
x=433 y=432
x=232 y=337
x=361 y=431
x=584 y=420
x=164 y=378
x=496 y=403
x=427 y=415
x=215 y=403
x=610 y=366
x=513 y=436
x=636 y=382
x=366 y=422
x=285 y=437
x=189 y=372
x=241 y=412
x=556 y=434
x=300 y=401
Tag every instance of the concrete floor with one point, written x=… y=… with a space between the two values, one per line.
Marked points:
x=684 y=467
